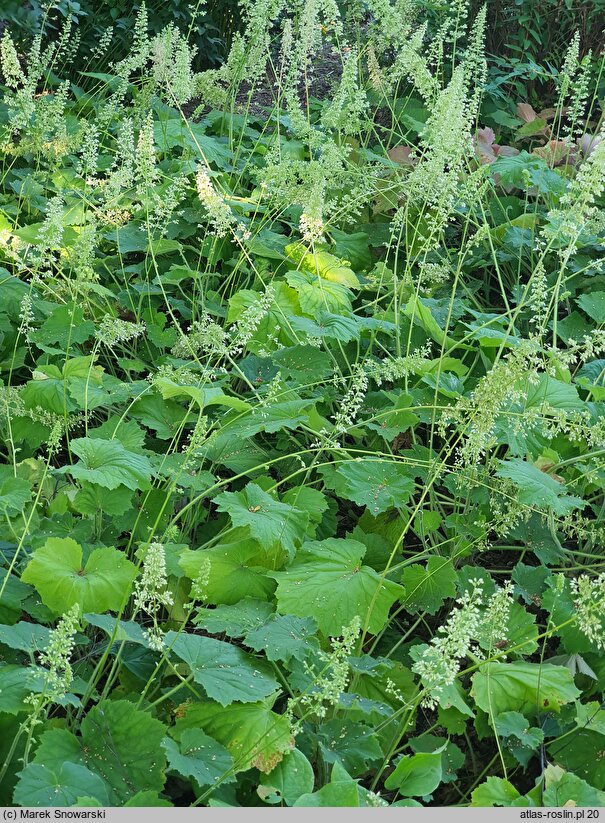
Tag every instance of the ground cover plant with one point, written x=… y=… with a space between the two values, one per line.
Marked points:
x=302 y=417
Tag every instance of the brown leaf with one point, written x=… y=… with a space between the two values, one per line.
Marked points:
x=554 y=152
x=401 y=155
x=526 y=112
x=484 y=145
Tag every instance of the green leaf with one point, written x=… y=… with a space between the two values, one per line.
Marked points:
x=394 y=419
x=124 y=746
x=180 y=133
x=530 y=581
x=354 y=745
x=15 y=493
x=14 y=592
x=121 y=630
x=66 y=327
x=16 y=683
x=25 y=637
x=237 y=619
x=326 y=324
x=416 y=775
x=146 y=799
x=284 y=637
x=494 y=792
x=234 y=572
x=255 y=736
x=522 y=740
x=108 y=464
x=41 y=786
x=322 y=264
x=593 y=304
x=427 y=588
x=558 y=600
x=452 y=757
x=582 y=755
x=341 y=791
x=9 y=727
x=162 y=416
x=290 y=779
x=226 y=672
x=91 y=499
x=135 y=237
x=529 y=688
x=268 y=520
x=289 y=414
x=101 y=584
x=309 y=500
x=538 y=489
x=378 y=484
x=554 y=393
x=198 y=756
x=207 y=396
x=327 y=581
x=316 y=295
x=305 y=364
x=521 y=631
x=417 y=310
x=525 y=171
x=531 y=128
x=563 y=789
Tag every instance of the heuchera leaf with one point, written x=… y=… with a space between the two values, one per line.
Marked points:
x=341 y=791
x=200 y=757
x=538 y=489
x=378 y=484
x=494 y=792
x=528 y=688
x=328 y=582
x=268 y=520
x=290 y=779
x=234 y=572
x=15 y=493
x=427 y=588
x=226 y=672
x=563 y=789
x=62 y=580
x=123 y=745
x=16 y=683
x=416 y=775
x=255 y=736
x=118 y=742
x=41 y=786
x=107 y=463
x=284 y=637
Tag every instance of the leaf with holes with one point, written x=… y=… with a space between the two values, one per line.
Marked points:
x=284 y=637
x=124 y=746
x=253 y=734
x=378 y=484
x=198 y=756
x=41 y=786
x=226 y=673
x=268 y=520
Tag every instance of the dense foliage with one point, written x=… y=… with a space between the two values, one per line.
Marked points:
x=302 y=416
